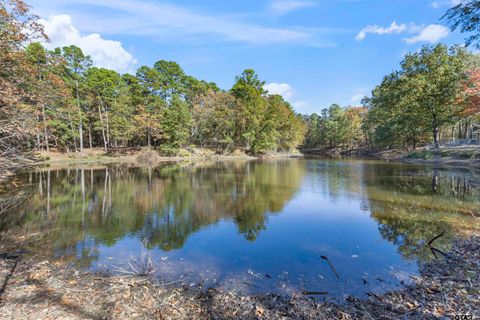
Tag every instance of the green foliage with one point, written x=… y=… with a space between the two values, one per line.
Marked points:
x=465 y=16
x=160 y=107
x=261 y=120
x=412 y=106
x=419 y=99
x=176 y=123
x=336 y=127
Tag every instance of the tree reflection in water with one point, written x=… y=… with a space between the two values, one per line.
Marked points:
x=79 y=210
x=414 y=204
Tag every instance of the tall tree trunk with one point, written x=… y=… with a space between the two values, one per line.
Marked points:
x=107 y=126
x=435 y=137
x=38 y=136
x=103 y=129
x=73 y=132
x=80 y=125
x=435 y=132
x=104 y=110
x=90 y=142
x=45 y=129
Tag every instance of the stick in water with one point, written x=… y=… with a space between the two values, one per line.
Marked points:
x=331 y=266
x=309 y=293
x=431 y=241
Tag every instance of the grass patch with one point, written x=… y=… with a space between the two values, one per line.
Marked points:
x=470 y=154
x=423 y=154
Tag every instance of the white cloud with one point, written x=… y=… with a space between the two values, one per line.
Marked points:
x=172 y=22
x=283 y=89
x=105 y=53
x=357 y=98
x=374 y=29
x=287 y=92
x=281 y=7
x=432 y=34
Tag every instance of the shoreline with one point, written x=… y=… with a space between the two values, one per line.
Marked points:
x=38 y=287
x=466 y=157
x=143 y=157
x=440 y=158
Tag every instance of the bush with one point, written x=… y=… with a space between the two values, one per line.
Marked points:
x=168 y=151
x=148 y=157
x=468 y=154
x=425 y=154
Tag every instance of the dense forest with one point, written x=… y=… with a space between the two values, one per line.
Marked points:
x=59 y=99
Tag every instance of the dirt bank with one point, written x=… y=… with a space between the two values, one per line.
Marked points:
x=145 y=156
x=39 y=288
x=455 y=156
x=133 y=157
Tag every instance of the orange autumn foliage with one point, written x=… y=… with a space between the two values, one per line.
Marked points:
x=471 y=93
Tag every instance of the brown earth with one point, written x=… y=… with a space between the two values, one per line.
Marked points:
x=467 y=156
x=41 y=288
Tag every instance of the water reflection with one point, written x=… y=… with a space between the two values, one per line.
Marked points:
x=413 y=204
x=383 y=213
x=162 y=206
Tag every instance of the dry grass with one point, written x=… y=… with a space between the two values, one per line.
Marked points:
x=45 y=289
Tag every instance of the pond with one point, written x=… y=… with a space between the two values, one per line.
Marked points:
x=251 y=226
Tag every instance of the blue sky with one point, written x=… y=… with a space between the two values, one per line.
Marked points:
x=314 y=53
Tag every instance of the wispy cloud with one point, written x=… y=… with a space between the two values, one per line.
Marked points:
x=177 y=23
x=374 y=29
x=431 y=33
x=282 y=7
x=445 y=3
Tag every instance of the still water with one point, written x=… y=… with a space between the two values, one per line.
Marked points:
x=252 y=226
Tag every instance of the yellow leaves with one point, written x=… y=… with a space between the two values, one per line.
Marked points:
x=411 y=305
x=72 y=282
x=65 y=300
x=438 y=311
x=259 y=311
x=39 y=275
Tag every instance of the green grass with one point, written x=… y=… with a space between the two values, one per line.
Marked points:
x=423 y=154
x=429 y=154
x=470 y=154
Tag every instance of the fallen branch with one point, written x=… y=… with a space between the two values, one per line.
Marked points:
x=15 y=258
x=435 y=238
x=310 y=293
x=331 y=266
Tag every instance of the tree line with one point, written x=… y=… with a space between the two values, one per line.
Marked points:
x=433 y=96
x=57 y=98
